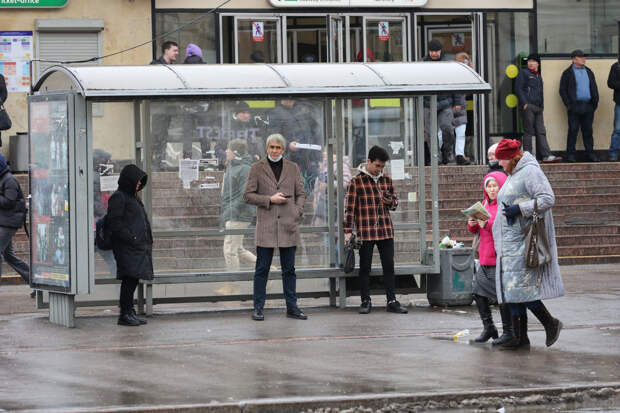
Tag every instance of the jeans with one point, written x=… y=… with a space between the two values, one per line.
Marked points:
x=614 y=147
x=386 y=252
x=234 y=252
x=6 y=251
x=534 y=125
x=519 y=309
x=128 y=287
x=264 y=257
x=581 y=116
x=445 y=118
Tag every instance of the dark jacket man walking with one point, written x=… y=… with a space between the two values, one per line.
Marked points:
x=529 y=89
x=613 y=81
x=12 y=217
x=580 y=96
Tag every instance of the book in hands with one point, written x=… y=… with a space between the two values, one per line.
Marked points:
x=476 y=211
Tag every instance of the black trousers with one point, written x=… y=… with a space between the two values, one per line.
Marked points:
x=386 y=253
x=128 y=288
x=581 y=116
x=534 y=126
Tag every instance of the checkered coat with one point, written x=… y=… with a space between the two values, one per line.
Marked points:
x=364 y=207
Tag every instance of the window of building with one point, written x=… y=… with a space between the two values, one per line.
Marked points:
x=508 y=37
x=202 y=33
x=590 y=25
x=67 y=40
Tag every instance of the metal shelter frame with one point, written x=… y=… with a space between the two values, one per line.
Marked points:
x=333 y=83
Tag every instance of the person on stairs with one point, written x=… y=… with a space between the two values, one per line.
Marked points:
x=526 y=190
x=484 y=279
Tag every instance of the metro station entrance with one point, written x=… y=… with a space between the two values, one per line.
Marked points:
x=368 y=38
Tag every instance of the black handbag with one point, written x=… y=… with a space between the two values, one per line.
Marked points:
x=349 y=254
x=5 y=120
x=537 y=251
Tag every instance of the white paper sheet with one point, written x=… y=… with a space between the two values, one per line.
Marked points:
x=188 y=170
x=308 y=146
x=396 y=146
x=398 y=169
x=109 y=183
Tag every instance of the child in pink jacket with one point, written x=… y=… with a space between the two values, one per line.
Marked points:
x=484 y=279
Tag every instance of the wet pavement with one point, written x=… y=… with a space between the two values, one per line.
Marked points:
x=213 y=360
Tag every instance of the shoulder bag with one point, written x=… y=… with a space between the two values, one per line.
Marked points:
x=349 y=254
x=5 y=121
x=537 y=251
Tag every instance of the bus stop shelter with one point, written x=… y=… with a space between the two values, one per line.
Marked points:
x=181 y=123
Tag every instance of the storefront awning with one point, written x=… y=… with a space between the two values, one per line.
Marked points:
x=265 y=80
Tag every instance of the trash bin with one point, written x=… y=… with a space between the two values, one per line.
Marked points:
x=453 y=285
x=18 y=152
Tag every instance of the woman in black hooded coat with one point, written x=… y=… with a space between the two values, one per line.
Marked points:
x=132 y=239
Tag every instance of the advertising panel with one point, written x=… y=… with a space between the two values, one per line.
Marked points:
x=49 y=183
x=15 y=54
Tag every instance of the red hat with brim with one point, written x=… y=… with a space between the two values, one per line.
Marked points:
x=507 y=149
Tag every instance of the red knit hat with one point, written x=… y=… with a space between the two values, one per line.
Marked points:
x=507 y=149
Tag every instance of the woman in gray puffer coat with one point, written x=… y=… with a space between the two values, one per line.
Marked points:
x=519 y=286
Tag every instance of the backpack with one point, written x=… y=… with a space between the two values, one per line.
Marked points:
x=103 y=234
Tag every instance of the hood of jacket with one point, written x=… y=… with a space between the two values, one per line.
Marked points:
x=527 y=159
x=500 y=177
x=193 y=50
x=362 y=169
x=129 y=178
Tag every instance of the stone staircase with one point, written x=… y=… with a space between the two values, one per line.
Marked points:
x=587 y=217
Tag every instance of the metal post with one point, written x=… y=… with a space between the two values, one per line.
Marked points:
x=434 y=183
x=62 y=309
x=339 y=122
x=331 y=248
x=421 y=173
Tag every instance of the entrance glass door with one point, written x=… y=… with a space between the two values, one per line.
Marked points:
x=385 y=39
x=460 y=36
x=257 y=39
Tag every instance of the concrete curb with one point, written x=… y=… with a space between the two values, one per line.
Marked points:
x=479 y=399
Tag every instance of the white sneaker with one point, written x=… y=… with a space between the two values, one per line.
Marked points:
x=552 y=158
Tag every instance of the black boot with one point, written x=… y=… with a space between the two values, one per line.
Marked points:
x=515 y=342
x=126 y=319
x=489 y=329
x=524 y=340
x=553 y=326
x=135 y=315
x=507 y=333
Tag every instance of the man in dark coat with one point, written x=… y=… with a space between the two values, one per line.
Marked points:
x=446 y=105
x=529 y=89
x=132 y=239
x=580 y=95
x=613 y=81
x=161 y=115
x=12 y=217
x=3 y=95
x=169 y=53
x=294 y=120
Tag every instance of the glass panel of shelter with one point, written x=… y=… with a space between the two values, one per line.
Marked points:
x=197 y=218
x=113 y=148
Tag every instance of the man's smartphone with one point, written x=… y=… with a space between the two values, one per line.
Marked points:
x=287 y=196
